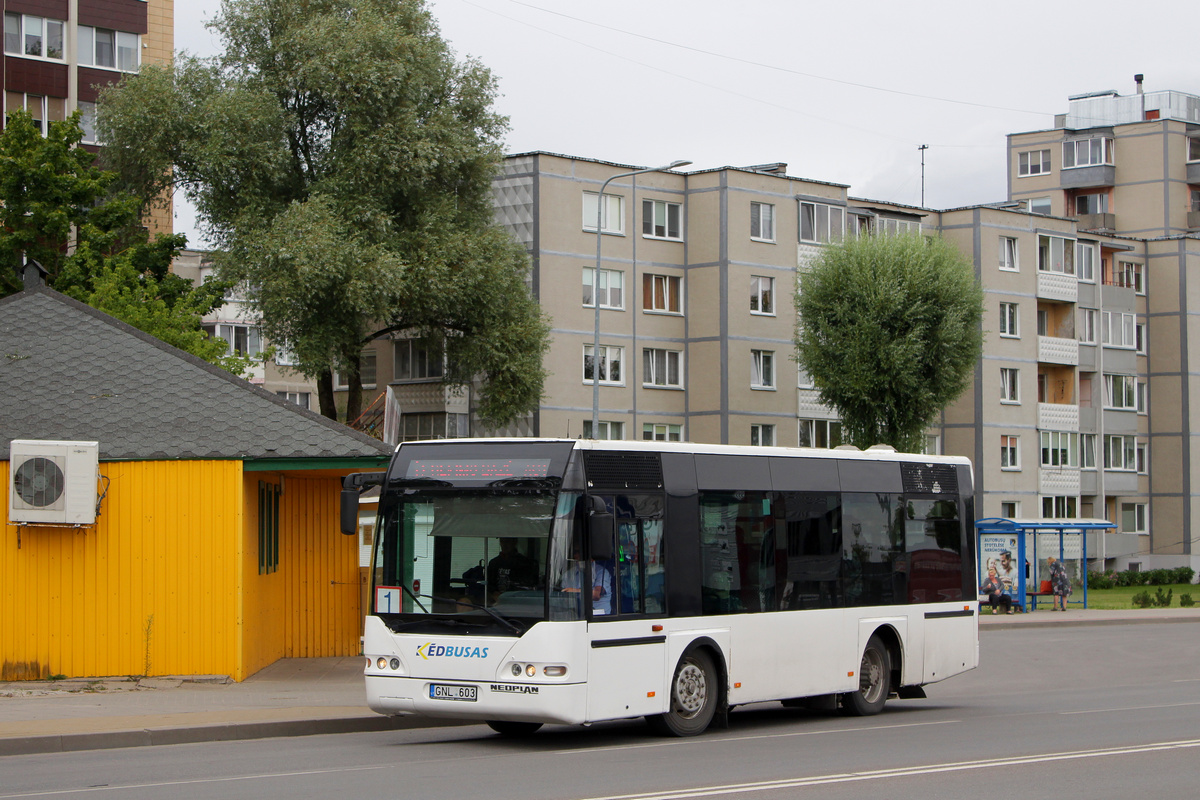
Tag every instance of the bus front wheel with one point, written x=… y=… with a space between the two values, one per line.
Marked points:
x=513 y=729
x=695 y=691
x=874 y=682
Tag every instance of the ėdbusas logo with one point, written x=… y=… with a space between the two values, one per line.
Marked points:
x=430 y=650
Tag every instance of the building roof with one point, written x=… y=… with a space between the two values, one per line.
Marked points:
x=70 y=372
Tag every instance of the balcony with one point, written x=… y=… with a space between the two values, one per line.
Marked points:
x=1054 y=350
x=1057 y=286
x=1193 y=219
x=1058 y=417
x=1086 y=177
x=1193 y=172
x=1096 y=222
x=1120 y=483
x=1058 y=480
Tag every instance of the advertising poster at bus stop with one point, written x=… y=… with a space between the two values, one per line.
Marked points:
x=1000 y=551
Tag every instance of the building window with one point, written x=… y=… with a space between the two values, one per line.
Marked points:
x=1085 y=260
x=1034 y=162
x=1120 y=453
x=608 y=430
x=1087 y=451
x=612 y=213
x=1141 y=397
x=1009 y=320
x=661 y=293
x=1194 y=148
x=101 y=47
x=1039 y=205
x=1096 y=203
x=44 y=110
x=39 y=37
x=803 y=379
x=610 y=365
x=661 y=432
x=243 y=340
x=1195 y=197
x=1120 y=392
x=824 y=433
x=1060 y=507
x=1133 y=518
x=1118 y=329
x=1008 y=254
x=366 y=372
x=895 y=227
x=1143 y=458
x=821 y=223
x=612 y=288
x=417 y=360
x=1139 y=336
x=268 y=526
x=762 y=435
x=660 y=367
x=1010 y=452
x=1010 y=509
x=433 y=425
x=1059 y=449
x=762 y=295
x=87 y=121
x=1126 y=274
x=933 y=445
x=762 y=222
x=1087 y=325
x=762 y=369
x=1056 y=254
x=299 y=398
x=1010 y=385
x=1087 y=152
x=661 y=220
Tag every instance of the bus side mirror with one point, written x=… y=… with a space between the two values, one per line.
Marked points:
x=349 y=511
x=601 y=527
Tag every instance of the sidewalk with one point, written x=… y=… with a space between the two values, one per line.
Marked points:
x=292 y=697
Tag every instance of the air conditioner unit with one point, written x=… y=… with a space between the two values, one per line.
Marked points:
x=53 y=483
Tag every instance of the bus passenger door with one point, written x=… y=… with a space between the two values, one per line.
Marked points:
x=627 y=658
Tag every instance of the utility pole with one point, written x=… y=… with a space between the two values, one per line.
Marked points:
x=923 y=148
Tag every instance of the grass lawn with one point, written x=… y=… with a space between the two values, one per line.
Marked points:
x=1122 y=596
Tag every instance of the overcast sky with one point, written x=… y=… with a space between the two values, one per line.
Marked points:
x=841 y=92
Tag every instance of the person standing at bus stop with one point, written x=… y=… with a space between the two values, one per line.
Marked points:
x=1060 y=584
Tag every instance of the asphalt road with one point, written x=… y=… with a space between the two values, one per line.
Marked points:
x=1097 y=712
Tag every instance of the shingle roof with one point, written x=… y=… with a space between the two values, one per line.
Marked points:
x=70 y=372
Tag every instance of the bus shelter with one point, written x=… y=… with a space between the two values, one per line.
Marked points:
x=1019 y=551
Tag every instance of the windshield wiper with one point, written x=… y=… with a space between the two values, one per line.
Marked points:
x=515 y=627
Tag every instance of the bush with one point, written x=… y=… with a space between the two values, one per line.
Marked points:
x=1150 y=577
x=1161 y=600
x=1185 y=600
x=1141 y=600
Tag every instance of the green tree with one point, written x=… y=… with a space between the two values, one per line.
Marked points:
x=342 y=159
x=889 y=330
x=60 y=209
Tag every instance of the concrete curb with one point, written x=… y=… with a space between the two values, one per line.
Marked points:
x=216 y=732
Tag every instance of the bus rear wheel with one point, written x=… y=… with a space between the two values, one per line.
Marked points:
x=874 y=682
x=695 y=689
x=513 y=729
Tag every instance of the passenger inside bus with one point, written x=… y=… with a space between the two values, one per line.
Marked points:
x=602 y=582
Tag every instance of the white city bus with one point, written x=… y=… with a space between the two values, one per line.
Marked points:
x=525 y=581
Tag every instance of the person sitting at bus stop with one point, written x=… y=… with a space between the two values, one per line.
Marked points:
x=601 y=584
x=510 y=570
x=993 y=587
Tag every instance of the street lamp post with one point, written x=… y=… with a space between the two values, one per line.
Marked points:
x=596 y=285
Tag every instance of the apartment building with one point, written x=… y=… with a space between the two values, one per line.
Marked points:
x=1130 y=165
x=58 y=54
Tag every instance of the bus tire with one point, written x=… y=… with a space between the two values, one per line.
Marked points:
x=874 y=682
x=694 y=693
x=513 y=729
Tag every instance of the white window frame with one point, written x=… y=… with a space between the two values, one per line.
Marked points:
x=1125 y=387
x=762 y=370
x=762 y=222
x=24 y=22
x=1193 y=148
x=1087 y=325
x=1058 y=449
x=1061 y=506
x=1040 y=205
x=609 y=356
x=299 y=398
x=122 y=42
x=606 y=279
x=662 y=432
x=413 y=361
x=1047 y=247
x=1141 y=517
x=762 y=435
x=1010 y=453
x=933 y=445
x=609 y=429
x=1139 y=337
x=1118 y=330
x=1142 y=458
x=1015 y=507
x=650 y=220
x=1085 y=261
x=762 y=295
x=1079 y=153
x=1026 y=166
x=816 y=431
x=252 y=334
x=1120 y=452
x=1140 y=397
x=671 y=362
x=1087 y=451
x=1100 y=202
x=1010 y=320
x=803 y=379
x=824 y=223
x=612 y=216
x=672 y=288
x=1010 y=385
x=1010 y=253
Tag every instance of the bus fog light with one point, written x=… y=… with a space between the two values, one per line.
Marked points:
x=531 y=670
x=555 y=672
x=516 y=669
x=381 y=663
x=394 y=663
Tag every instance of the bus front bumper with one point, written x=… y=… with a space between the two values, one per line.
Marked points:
x=452 y=699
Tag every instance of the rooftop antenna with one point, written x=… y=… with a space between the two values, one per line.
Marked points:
x=923 y=148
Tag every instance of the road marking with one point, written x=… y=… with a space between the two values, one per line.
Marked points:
x=230 y=779
x=903 y=772
x=1126 y=708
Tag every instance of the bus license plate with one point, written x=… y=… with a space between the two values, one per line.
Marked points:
x=446 y=691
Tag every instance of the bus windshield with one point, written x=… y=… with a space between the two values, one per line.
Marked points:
x=471 y=554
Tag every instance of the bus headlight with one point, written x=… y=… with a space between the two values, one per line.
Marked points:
x=394 y=663
x=381 y=663
x=555 y=672
x=516 y=669
x=531 y=670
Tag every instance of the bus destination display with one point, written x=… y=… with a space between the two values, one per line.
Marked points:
x=478 y=469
